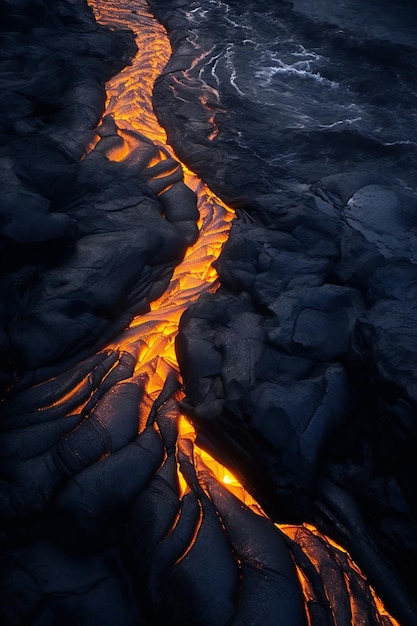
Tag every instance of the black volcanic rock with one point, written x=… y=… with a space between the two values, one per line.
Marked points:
x=298 y=370
x=54 y=64
x=304 y=359
x=86 y=244
x=44 y=584
x=273 y=341
x=302 y=364
x=122 y=256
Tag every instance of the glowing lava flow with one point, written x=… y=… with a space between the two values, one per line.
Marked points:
x=130 y=104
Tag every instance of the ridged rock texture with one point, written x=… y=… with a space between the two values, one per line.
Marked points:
x=297 y=372
x=300 y=368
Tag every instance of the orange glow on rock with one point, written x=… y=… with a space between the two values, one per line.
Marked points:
x=223 y=475
x=315 y=545
x=130 y=103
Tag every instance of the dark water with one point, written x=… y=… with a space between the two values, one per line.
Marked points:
x=394 y=22
x=264 y=99
x=315 y=88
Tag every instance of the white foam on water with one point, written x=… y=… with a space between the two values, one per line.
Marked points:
x=301 y=69
x=229 y=54
x=196 y=15
x=405 y=142
x=314 y=56
x=347 y=121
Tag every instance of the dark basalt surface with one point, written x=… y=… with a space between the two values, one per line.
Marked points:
x=298 y=371
x=94 y=525
x=85 y=244
x=300 y=368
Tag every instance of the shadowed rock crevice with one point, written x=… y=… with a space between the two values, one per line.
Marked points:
x=302 y=364
x=87 y=242
x=298 y=370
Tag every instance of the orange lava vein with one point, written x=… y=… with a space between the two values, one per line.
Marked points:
x=129 y=101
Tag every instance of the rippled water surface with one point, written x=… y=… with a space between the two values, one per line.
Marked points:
x=334 y=79
x=394 y=22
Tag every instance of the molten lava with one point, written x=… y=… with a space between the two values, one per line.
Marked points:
x=130 y=104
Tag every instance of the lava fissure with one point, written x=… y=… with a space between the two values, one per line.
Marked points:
x=111 y=510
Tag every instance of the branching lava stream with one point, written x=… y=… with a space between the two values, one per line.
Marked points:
x=130 y=104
